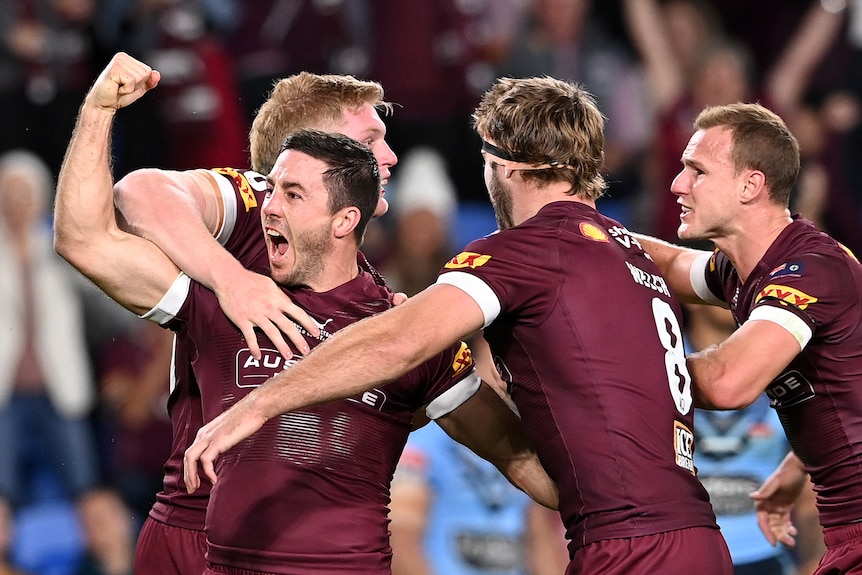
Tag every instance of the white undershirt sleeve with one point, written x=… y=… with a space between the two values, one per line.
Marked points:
x=477 y=289
x=171 y=302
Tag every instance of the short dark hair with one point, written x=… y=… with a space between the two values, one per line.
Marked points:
x=353 y=177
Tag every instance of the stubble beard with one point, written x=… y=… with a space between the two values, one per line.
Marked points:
x=312 y=249
x=501 y=199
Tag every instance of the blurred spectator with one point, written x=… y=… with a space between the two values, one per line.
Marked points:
x=46 y=52
x=273 y=39
x=454 y=513
x=7 y=528
x=422 y=53
x=565 y=39
x=109 y=535
x=46 y=390
x=423 y=202
x=694 y=64
x=200 y=121
x=134 y=383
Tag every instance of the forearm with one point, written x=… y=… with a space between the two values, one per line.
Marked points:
x=674 y=262
x=83 y=209
x=342 y=367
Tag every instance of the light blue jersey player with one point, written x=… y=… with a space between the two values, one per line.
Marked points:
x=735 y=452
x=473 y=520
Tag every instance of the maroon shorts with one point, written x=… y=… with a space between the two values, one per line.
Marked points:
x=843 y=550
x=167 y=550
x=700 y=550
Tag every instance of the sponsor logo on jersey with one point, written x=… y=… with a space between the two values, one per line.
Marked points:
x=470 y=260
x=324 y=335
x=683 y=446
x=252 y=372
x=245 y=190
x=463 y=360
x=787 y=270
x=625 y=238
x=646 y=279
x=787 y=295
x=789 y=389
x=374 y=398
x=594 y=232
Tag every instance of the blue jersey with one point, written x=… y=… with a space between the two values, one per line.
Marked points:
x=735 y=452
x=477 y=519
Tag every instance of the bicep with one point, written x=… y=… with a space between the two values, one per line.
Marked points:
x=144 y=198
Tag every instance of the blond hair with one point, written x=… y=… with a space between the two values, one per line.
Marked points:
x=547 y=121
x=306 y=100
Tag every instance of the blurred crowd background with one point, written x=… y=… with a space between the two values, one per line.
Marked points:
x=652 y=65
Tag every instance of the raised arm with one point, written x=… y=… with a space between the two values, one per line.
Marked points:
x=131 y=270
x=182 y=213
x=649 y=34
x=486 y=425
x=369 y=353
x=789 y=77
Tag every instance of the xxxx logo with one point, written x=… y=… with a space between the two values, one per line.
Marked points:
x=467 y=260
x=786 y=294
x=463 y=360
x=245 y=190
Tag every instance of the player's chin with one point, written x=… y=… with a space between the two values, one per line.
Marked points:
x=382 y=207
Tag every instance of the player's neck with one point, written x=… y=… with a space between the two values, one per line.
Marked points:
x=747 y=245
x=338 y=269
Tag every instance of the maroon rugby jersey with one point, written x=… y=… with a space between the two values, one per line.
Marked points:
x=308 y=493
x=819 y=396
x=242 y=235
x=586 y=334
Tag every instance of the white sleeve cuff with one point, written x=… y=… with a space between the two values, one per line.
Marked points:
x=453 y=397
x=171 y=302
x=698 y=280
x=228 y=200
x=786 y=319
x=476 y=289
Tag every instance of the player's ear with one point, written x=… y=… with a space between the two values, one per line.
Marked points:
x=754 y=185
x=345 y=220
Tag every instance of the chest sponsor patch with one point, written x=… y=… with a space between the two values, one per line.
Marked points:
x=789 y=389
x=467 y=260
x=786 y=295
x=252 y=372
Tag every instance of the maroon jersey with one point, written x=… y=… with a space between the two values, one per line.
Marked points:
x=586 y=334
x=242 y=235
x=811 y=285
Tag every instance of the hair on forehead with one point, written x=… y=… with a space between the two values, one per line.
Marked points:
x=307 y=100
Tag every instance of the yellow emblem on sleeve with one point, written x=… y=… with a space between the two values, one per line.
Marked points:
x=245 y=191
x=467 y=260
x=463 y=360
x=787 y=295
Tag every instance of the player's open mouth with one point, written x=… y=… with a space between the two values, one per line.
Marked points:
x=278 y=243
